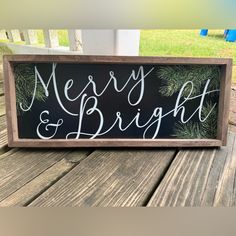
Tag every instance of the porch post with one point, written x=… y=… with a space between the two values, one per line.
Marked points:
x=110 y=42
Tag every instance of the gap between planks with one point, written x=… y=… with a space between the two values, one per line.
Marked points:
x=109 y=178
x=200 y=178
x=29 y=186
x=31 y=190
x=159 y=180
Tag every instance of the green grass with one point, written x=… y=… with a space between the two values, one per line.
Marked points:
x=40 y=36
x=62 y=37
x=187 y=43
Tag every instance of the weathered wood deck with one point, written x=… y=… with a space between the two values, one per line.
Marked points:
x=116 y=177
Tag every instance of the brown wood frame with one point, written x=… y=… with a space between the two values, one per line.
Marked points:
x=11 y=113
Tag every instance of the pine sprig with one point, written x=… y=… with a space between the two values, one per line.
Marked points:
x=209 y=126
x=173 y=78
x=206 y=129
x=25 y=84
x=189 y=130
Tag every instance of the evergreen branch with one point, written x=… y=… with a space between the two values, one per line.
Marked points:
x=189 y=130
x=206 y=129
x=25 y=84
x=209 y=126
x=173 y=77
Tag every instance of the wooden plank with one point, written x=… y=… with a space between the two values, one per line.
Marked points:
x=2 y=123
x=224 y=103
x=3 y=140
x=19 y=168
x=2 y=106
x=8 y=153
x=226 y=189
x=1 y=88
x=118 y=59
x=11 y=106
x=1 y=71
x=33 y=188
x=3 y=133
x=112 y=142
x=109 y=178
x=203 y=177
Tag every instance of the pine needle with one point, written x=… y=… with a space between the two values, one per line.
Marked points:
x=206 y=129
x=25 y=84
x=173 y=78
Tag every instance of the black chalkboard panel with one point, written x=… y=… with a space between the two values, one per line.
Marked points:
x=75 y=99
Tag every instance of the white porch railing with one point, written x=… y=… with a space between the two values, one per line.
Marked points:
x=93 y=42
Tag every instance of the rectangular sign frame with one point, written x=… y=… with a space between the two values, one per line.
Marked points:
x=11 y=112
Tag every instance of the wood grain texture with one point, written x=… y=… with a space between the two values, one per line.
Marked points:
x=2 y=106
x=3 y=133
x=109 y=178
x=202 y=177
x=116 y=59
x=18 y=168
x=68 y=143
x=1 y=88
x=10 y=101
x=224 y=103
x=7 y=153
x=39 y=184
x=1 y=71
x=226 y=188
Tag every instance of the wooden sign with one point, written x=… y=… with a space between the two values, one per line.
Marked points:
x=78 y=101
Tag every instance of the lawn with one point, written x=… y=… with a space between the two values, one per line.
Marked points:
x=175 y=43
x=187 y=43
x=62 y=37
